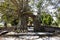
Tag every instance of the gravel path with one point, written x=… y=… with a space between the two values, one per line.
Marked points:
x=30 y=38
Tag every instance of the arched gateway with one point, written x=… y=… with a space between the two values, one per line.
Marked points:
x=29 y=20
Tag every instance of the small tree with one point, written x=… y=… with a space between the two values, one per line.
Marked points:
x=46 y=19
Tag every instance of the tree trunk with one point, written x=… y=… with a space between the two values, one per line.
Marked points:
x=22 y=25
x=22 y=19
x=5 y=24
x=36 y=24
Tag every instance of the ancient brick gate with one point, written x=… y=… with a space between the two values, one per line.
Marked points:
x=28 y=20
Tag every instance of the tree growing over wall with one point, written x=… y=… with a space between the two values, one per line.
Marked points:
x=14 y=10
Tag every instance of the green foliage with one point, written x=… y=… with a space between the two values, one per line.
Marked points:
x=58 y=16
x=57 y=22
x=59 y=9
x=46 y=19
x=39 y=4
x=9 y=11
x=14 y=22
x=58 y=19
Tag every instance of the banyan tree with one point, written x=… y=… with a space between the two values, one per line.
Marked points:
x=19 y=10
x=22 y=8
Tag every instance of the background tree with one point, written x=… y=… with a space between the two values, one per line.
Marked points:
x=46 y=19
x=57 y=14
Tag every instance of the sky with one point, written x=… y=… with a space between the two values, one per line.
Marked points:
x=1 y=0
